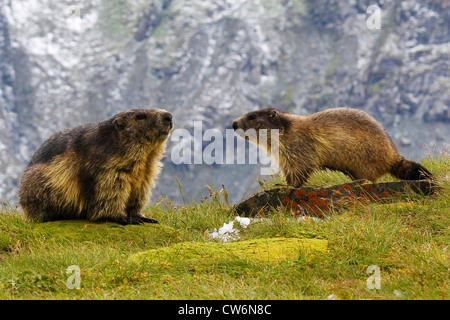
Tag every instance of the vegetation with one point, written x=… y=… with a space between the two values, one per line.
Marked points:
x=408 y=240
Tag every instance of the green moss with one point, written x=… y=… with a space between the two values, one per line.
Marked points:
x=333 y=65
x=114 y=20
x=287 y=98
x=268 y=250
x=375 y=88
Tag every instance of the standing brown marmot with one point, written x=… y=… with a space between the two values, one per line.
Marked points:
x=100 y=171
x=344 y=139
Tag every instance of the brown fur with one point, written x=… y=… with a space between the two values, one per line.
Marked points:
x=101 y=171
x=344 y=139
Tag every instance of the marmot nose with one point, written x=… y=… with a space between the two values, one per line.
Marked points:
x=167 y=118
x=235 y=125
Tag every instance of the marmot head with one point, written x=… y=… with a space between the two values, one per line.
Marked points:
x=269 y=118
x=249 y=125
x=143 y=125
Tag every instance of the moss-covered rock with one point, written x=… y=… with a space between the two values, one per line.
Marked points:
x=268 y=250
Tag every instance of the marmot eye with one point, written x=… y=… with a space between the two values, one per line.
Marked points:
x=141 y=116
x=252 y=117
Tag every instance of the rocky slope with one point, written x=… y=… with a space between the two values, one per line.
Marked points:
x=63 y=64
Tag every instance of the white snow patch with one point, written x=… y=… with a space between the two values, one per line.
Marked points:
x=303 y=218
x=225 y=233
x=243 y=221
x=228 y=232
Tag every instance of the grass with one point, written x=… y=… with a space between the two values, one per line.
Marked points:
x=407 y=239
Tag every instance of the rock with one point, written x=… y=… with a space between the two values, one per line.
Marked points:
x=265 y=250
x=404 y=141
x=322 y=201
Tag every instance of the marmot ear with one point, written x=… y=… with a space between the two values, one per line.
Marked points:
x=119 y=123
x=273 y=113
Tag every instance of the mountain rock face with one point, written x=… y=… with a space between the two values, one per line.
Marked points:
x=62 y=65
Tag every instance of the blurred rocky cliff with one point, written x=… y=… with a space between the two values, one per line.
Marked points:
x=63 y=63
